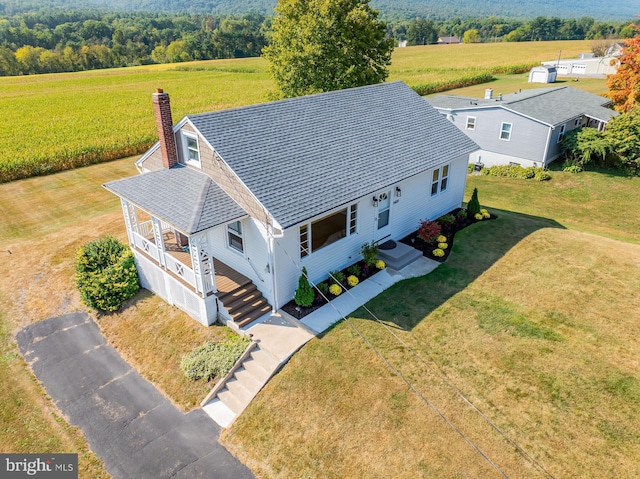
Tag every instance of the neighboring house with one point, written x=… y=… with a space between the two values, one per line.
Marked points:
x=542 y=74
x=232 y=204
x=588 y=65
x=448 y=40
x=402 y=43
x=525 y=127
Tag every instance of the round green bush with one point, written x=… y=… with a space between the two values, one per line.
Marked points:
x=106 y=274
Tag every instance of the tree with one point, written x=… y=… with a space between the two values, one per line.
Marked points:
x=624 y=85
x=304 y=294
x=421 y=32
x=473 y=207
x=325 y=45
x=471 y=36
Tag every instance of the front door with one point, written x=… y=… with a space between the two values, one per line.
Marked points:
x=383 y=218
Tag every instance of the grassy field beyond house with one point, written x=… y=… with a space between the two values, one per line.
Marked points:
x=58 y=121
x=532 y=319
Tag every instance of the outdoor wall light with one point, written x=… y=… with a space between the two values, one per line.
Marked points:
x=398 y=192
x=375 y=201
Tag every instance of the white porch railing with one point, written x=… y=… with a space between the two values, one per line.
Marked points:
x=143 y=244
x=180 y=269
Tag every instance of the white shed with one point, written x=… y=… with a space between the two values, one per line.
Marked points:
x=543 y=74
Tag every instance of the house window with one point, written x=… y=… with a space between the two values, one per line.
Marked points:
x=191 y=149
x=505 y=131
x=328 y=230
x=471 y=123
x=561 y=135
x=234 y=236
x=576 y=123
x=439 y=180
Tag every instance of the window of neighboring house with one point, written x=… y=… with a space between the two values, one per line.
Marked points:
x=471 y=123
x=505 y=131
x=439 y=180
x=328 y=230
x=191 y=149
x=561 y=135
x=235 y=237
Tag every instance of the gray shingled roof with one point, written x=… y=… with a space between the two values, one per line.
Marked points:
x=185 y=198
x=303 y=156
x=552 y=106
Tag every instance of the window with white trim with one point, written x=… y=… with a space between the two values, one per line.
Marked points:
x=561 y=135
x=235 y=237
x=505 y=131
x=439 y=180
x=191 y=149
x=471 y=123
x=325 y=231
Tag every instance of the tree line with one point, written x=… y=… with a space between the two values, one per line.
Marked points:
x=50 y=41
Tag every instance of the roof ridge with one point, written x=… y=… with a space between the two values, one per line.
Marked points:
x=538 y=94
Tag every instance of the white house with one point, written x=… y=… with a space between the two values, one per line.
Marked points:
x=525 y=127
x=589 y=65
x=230 y=205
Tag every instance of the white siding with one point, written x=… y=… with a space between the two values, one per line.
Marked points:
x=414 y=204
x=255 y=252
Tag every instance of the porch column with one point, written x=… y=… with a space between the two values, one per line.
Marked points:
x=202 y=262
x=157 y=234
x=128 y=221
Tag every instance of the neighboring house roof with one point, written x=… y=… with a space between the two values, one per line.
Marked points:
x=552 y=106
x=448 y=40
x=304 y=156
x=185 y=198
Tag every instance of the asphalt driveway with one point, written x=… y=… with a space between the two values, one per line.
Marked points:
x=127 y=422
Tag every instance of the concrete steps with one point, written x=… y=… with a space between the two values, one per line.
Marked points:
x=400 y=256
x=247 y=381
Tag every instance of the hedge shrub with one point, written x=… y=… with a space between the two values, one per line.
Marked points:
x=213 y=360
x=517 y=171
x=106 y=274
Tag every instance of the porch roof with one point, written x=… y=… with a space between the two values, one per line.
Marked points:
x=185 y=198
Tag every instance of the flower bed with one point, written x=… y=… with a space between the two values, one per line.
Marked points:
x=326 y=290
x=435 y=238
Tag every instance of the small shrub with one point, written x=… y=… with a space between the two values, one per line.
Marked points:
x=542 y=175
x=478 y=216
x=470 y=168
x=335 y=289
x=438 y=252
x=443 y=245
x=212 y=359
x=380 y=264
x=462 y=214
x=354 y=270
x=323 y=288
x=352 y=281
x=106 y=274
x=572 y=167
x=447 y=219
x=441 y=239
x=336 y=277
x=304 y=294
x=527 y=173
x=429 y=230
x=473 y=207
x=369 y=253
x=485 y=214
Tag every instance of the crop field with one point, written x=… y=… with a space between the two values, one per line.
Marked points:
x=59 y=121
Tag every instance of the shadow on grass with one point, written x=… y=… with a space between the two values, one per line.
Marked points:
x=476 y=249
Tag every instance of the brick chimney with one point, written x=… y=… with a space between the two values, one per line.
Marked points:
x=164 y=122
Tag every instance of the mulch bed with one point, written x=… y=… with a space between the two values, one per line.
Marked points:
x=448 y=230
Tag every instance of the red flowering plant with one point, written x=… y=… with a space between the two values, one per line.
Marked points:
x=428 y=231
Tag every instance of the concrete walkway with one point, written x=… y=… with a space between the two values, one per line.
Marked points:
x=279 y=337
x=128 y=423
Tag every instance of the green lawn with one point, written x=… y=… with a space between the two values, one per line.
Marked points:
x=533 y=319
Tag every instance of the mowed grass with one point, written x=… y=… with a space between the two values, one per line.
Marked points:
x=67 y=119
x=44 y=221
x=535 y=324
